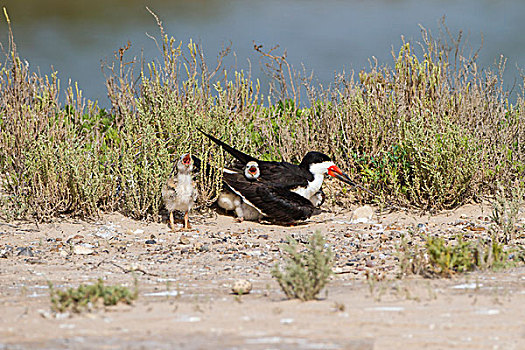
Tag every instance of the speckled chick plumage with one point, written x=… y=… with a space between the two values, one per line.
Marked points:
x=179 y=192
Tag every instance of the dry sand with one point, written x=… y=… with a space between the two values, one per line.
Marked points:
x=185 y=300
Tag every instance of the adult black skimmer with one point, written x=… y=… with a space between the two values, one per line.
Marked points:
x=261 y=200
x=283 y=192
x=179 y=192
x=304 y=179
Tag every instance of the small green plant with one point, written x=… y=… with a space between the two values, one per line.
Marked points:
x=89 y=296
x=438 y=258
x=306 y=273
x=447 y=259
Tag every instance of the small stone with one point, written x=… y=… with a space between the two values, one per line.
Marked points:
x=45 y=314
x=151 y=241
x=81 y=250
x=25 y=251
x=476 y=228
x=184 y=240
x=242 y=287
x=6 y=252
x=362 y=215
x=197 y=246
x=76 y=237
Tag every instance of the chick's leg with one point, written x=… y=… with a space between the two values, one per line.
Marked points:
x=172 y=223
x=187 y=225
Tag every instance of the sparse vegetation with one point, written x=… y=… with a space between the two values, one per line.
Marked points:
x=505 y=209
x=306 y=273
x=437 y=258
x=90 y=296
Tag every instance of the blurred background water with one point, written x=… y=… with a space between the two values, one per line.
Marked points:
x=326 y=36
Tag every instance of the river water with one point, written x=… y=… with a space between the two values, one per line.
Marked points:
x=326 y=36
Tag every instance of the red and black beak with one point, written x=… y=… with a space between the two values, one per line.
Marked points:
x=338 y=174
x=253 y=170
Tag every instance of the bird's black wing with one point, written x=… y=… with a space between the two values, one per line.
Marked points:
x=284 y=174
x=275 y=202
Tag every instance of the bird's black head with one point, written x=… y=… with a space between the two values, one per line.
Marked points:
x=314 y=158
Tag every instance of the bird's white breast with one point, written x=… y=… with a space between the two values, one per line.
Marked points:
x=313 y=187
x=185 y=193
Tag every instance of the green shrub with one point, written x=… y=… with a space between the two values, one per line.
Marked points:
x=88 y=296
x=438 y=258
x=304 y=274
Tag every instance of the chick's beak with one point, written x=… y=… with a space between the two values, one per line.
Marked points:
x=338 y=174
x=186 y=160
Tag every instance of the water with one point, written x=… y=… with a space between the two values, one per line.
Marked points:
x=326 y=36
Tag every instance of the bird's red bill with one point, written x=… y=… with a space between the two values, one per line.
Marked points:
x=338 y=174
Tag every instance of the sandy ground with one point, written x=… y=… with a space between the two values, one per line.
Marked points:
x=185 y=298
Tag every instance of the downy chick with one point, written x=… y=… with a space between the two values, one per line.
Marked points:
x=230 y=201
x=179 y=192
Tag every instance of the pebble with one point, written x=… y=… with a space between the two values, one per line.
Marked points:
x=184 y=240
x=151 y=241
x=25 y=251
x=6 y=252
x=104 y=233
x=81 y=250
x=76 y=237
x=242 y=287
x=362 y=215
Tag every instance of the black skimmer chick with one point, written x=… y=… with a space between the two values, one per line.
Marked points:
x=318 y=199
x=304 y=179
x=179 y=192
x=230 y=201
